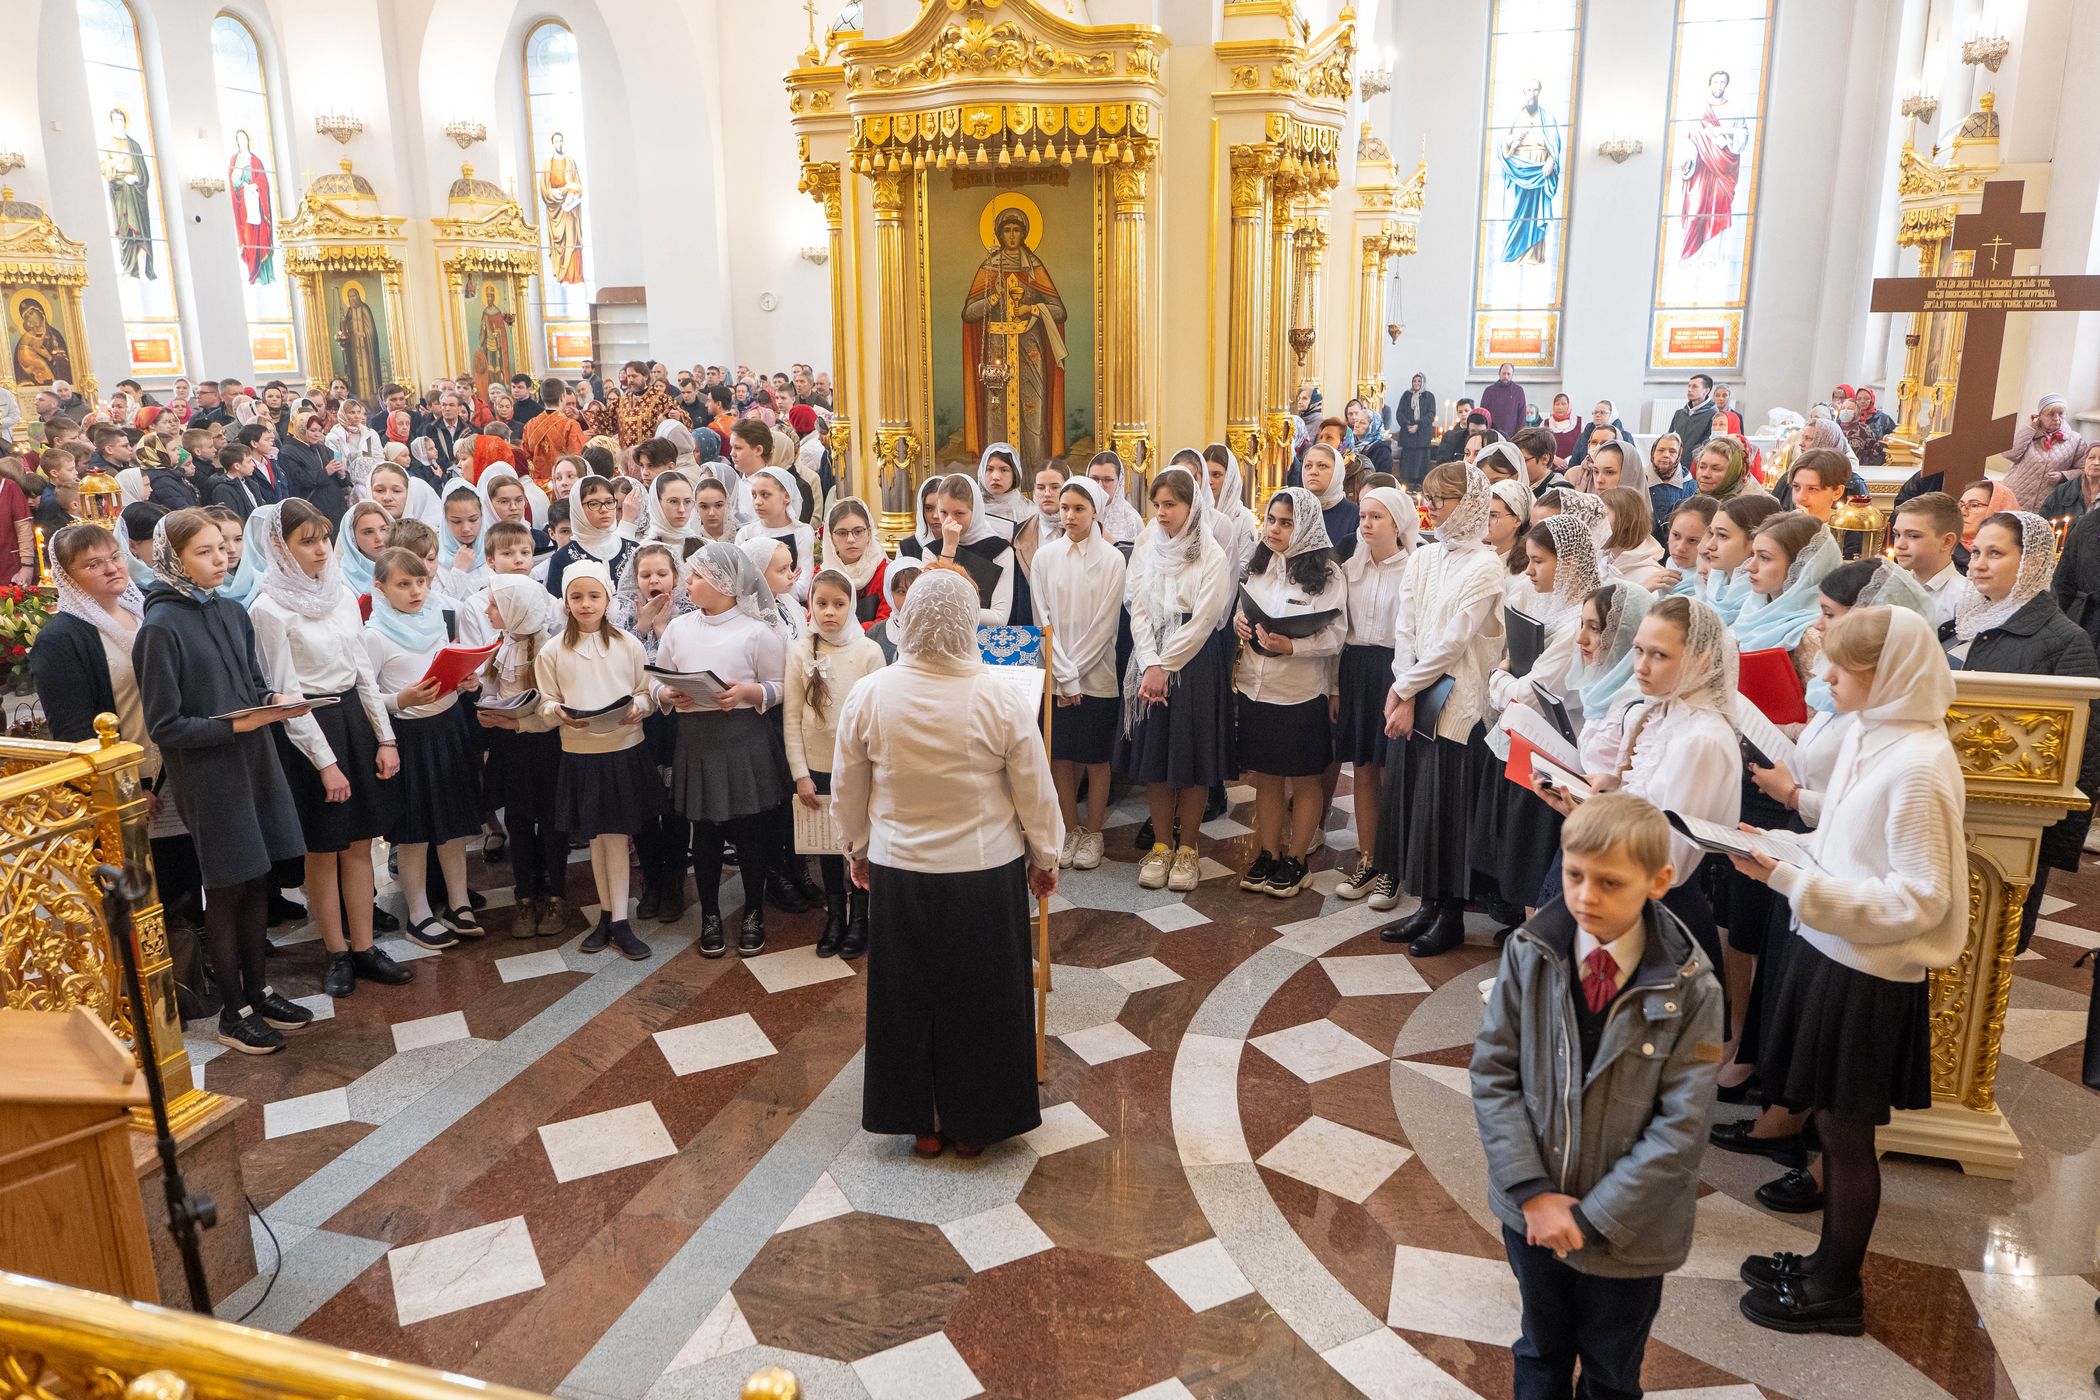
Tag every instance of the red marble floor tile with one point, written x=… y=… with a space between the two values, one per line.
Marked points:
x=1131 y=1097
x=1273 y=1101
x=1413 y=1208
x=1115 y=1197
x=1377 y=1021
x=271 y=1167
x=1663 y=1367
x=852 y=1286
x=1474 y=960
x=1242 y=1350
x=326 y=1055
x=1306 y=995
x=1924 y=1314
x=1066 y=1322
x=495 y=1012
x=1342 y=1235
x=1361 y=1099
x=2067 y=1063
x=1098 y=937
x=1484 y=1369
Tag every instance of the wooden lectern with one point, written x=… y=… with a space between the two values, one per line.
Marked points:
x=69 y=1196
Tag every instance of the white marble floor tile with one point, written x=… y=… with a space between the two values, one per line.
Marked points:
x=605 y=1142
x=1208 y=869
x=1225 y=829
x=404 y=949
x=1058 y=905
x=1166 y=1390
x=2031 y=1034
x=463 y=1270
x=927 y=1369
x=307 y=1112
x=1727 y=1232
x=320 y=1003
x=1202 y=1275
x=1206 y=1102
x=1338 y=1159
x=523 y=966
x=430 y=1030
x=1237 y=793
x=1710 y=1392
x=1316 y=1050
x=712 y=1044
x=1454 y=1295
x=1137 y=975
x=721 y=1332
x=1171 y=918
x=1456 y=1078
x=1374 y=975
x=796 y=967
x=823 y=1201
x=2042 y=1328
x=2053 y=904
x=1382 y=1366
x=994 y=1237
x=1324 y=932
x=1064 y=1125
x=2067 y=933
x=1098 y=1045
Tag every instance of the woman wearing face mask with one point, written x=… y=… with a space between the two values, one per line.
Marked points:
x=1864 y=426
x=2044 y=452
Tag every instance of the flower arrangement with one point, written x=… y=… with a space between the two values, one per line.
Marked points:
x=23 y=613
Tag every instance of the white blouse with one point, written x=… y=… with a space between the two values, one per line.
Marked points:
x=1306 y=673
x=944 y=772
x=1816 y=755
x=318 y=656
x=1078 y=594
x=1374 y=597
x=734 y=645
x=1448 y=621
x=1685 y=759
x=396 y=668
x=1200 y=593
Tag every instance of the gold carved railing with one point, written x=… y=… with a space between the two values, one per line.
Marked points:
x=65 y=809
x=2019 y=739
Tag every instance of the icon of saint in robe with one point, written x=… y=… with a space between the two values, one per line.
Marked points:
x=357 y=344
x=492 y=335
x=41 y=355
x=1531 y=156
x=1013 y=317
x=254 y=225
x=561 y=195
x=1713 y=161
x=130 y=185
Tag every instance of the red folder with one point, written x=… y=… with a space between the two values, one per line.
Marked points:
x=1770 y=682
x=454 y=664
x=1518 y=768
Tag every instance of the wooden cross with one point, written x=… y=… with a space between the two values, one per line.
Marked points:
x=1986 y=296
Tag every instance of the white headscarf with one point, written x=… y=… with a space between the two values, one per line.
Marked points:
x=1233 y=518
x=1504 y=451
x=902 y=567
x=1467 y=524
x=131 y=484
x=1094 y=493
x=75 y=601
x=1406 y=517
x=1975 y=614
x=791 y=486
x=940 y=624
x=1517 y=496
x=603 y=545
x=1913 y=685
x=862 y=572
x=1590 y=510
x=1336 y=484
x=847 y=628
x=1708 y=676
x=982 y=526
x=1120 y=522
x=680 y=437
x=284 y=581
x=655 y=528
x=1013 y=504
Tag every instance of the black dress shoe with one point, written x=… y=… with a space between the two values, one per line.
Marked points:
x=1796 y=1193
x=671 y=900
x=383 y=922
x=1446 y=932
x=712 y=941
x=856 y=940
x=1749 y=1091
x=751 y=938
x=811 y=890
x=1783 y=1309
x=646 y=907
x=834 y=930
x=376 y=965
x=782 y=895
x=286 y=911
x=1788 y=1151
x=1770 y=1270
x=340 y=979
x=1404 y=931
x=627 y=943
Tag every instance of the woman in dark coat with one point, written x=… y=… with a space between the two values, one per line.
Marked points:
x=2008 y=621
x=1414 y=430
x=304 y=466
x=195 y=658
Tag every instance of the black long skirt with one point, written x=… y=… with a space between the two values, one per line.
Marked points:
x=1742 y=905
x=1839 y=1039
x=1187 y=742
x=522 y=772
x=1086 y=732
x=373 y=806
x=439 y=781
x=1440 y=775
x=1363 y=680
x=1527 y=846
x=951 y=1031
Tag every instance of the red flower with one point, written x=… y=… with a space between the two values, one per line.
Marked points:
x=19 y=651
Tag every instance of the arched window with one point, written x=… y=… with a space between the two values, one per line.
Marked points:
x=254 y=195
x=554 y=127
x=130 y=171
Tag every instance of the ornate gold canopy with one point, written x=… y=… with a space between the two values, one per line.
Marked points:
x=339 y=238
x=487 y=256
x=40 y=267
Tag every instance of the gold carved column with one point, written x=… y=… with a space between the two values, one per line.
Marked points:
x=1130 y=381
x=1246 y=362
x=1281 y=392
x=1387 y=215
x=822 y=183
x=896 y=446
x=1309 y=244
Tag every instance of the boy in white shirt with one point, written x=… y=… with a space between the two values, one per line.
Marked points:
x=1924 y=536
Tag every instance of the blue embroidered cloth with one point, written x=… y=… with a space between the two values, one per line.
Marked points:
x=1010 y=646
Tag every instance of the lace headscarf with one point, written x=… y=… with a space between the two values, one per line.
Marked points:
x=1892 y=586
x=1308 y=526
x=284 y=581
x=1014 y=503
x=1398 y=505
x=1598 y=684
x=75 y=601
x=1780 y=620
x=940 y=624
x=1590 y=510
x=861 y=572
x=1707 y=678
x=1974 y=613
x=1120 y=522
x=1466 y=526
x=902 y=567
x=1578 y=567
x=728 y=569
x=602 y=545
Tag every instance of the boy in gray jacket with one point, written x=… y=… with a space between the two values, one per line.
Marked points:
x=1593 y=1080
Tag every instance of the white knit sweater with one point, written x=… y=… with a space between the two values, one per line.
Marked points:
x=1893 y=903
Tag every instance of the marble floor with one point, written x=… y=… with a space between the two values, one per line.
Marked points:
x=1257 y=1175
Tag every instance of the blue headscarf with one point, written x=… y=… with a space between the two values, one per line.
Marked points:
x=356 y=568
x=241 y=585
x=448 y=547
x=1598 y=685
x=1726 y=593
x=1782 y=620
x=423 y=630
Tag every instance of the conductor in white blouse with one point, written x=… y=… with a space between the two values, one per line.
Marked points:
x=943 y=797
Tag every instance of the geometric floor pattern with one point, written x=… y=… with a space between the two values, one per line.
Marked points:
x=1258 y=1174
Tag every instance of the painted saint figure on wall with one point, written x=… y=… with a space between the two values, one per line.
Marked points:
x=130 y=184
x=492 y=336
x=358 y=349
x=1013 y=346
x=1531 y=166
x=1712 y=162
x=41 y=355
x=254 y=224
x=561 y=194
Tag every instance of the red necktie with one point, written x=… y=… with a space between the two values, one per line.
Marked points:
x=1599 y=979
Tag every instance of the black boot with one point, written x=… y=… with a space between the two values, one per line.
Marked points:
x=2090 y=1070
x=856 y=940
x=751 y=938
x=1405 y=930
x=651 y=901
x=834 y=926
x=783 y=894
x=1445 y=933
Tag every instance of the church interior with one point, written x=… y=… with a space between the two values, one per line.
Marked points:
x=1261 y=1160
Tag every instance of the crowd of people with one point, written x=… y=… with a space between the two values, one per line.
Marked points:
x=693 y=627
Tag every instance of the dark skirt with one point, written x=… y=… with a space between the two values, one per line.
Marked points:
x=440 y=794
x=1285 y=741
x=1742 y=905
x=1187 y=742
x=1779 y=943
x=1839 y=1039
x=730 y=764
x=660 y=737
x=1086 y=732
x=1440 y=778
x=522 y=773
x=373 y=806
x=1527 y=846
x=951 y=1027
x=607 y=794
x=1363 y=682
x=237 y=806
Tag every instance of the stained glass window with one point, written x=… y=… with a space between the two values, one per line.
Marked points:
x=554 y=127
x=131 y=175
x=256 y=199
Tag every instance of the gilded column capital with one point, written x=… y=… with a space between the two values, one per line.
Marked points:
x=1127 y=188
x=820 y=181
x=889 y=195
x=1251 y=167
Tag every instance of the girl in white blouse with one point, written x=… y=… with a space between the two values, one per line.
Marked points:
x=1233 y=524
x=440 y=796
x=822 y=670
x=1387 y=527
x=340 y=760
x=1286 y=734
x=608 y=789
x=1078 y=591
x=776 y=497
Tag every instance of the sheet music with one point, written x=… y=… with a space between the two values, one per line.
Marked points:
x=1750 y=722
x=1784 y=846
x=1546 y=770
x=816 y=834
x=1540 y=733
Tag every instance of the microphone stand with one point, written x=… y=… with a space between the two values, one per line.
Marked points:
x=187 y=1212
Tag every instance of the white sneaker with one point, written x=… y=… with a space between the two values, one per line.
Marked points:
x=1087 y=854
x=1360 y=882
x=1066 y=851
x=1186 y=872
x=1318 y=842
x=1386 y=893
x=1152 y=870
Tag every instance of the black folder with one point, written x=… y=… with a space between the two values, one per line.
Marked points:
x=1527 y=638
x=1296 y=626
x=1556 y=710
